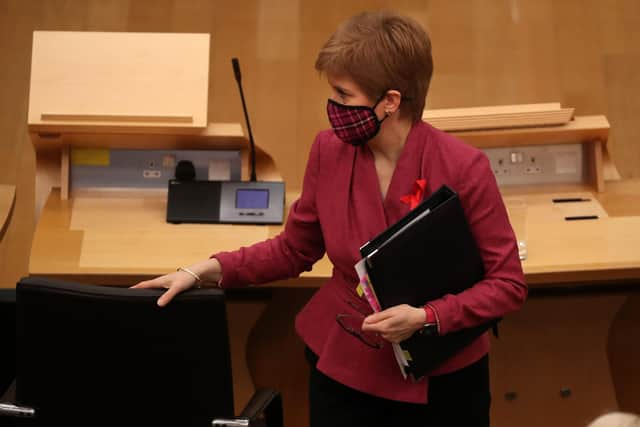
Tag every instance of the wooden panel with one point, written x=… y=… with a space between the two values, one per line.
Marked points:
x=624 y=353
x=225 y=136
x=47 y=175
x=65 y=162
x=85 y=79
x=621 y=197
x=596 y=166
x=275 y=353
x=582 y=128
x=7 y=203
x=554 y=343
x=17 y=161
x=7 y=199
x=498 y=116
x=622 y=79
x=242 y=317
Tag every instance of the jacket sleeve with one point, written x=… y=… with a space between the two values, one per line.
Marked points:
x=290 y=253
x=503 y=288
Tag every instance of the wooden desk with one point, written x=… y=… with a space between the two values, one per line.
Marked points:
x=91 y=244
x=585 y=251
x=558 y=338
x=74 y=238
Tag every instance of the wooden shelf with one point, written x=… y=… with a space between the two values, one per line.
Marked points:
x=498 y=117
x=580 y=129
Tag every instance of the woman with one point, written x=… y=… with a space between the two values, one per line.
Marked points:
x=356 y=184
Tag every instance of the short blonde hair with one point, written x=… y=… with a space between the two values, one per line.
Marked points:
x=382 y=51
x=616 y=419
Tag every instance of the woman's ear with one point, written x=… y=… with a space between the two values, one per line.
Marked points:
x=391 y=102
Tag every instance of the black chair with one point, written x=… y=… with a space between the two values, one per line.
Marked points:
x=97 y=355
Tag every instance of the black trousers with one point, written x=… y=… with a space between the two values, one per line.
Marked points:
x=461 y=398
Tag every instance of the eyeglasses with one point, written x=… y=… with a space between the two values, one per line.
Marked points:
x=352 y=323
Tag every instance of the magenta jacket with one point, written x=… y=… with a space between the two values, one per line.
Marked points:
x=341 y=208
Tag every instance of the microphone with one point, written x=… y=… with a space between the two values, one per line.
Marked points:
x=252 y=153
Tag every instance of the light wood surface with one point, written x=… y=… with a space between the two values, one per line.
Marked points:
x=89 y=235
x=492 y=110
x=224 y=136
x=596 y=150
x=7 y=199
x=572 y=250
x=149 y=240
x=498 y=117
x=135 y=80
x=559 y=251
x=580 y=129
x=7 y=215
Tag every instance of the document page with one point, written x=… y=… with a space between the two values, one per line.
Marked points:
x=365 y=289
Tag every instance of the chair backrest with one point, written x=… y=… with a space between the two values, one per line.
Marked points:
x=97 y=355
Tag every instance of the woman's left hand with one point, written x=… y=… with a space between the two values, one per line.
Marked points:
x=396 y=323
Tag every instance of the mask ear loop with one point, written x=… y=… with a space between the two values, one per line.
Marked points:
x=380 y=99
x=386 y=112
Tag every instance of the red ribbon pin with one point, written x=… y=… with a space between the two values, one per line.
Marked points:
x=414 y=199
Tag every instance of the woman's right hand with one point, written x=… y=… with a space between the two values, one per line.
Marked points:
x=209 y=271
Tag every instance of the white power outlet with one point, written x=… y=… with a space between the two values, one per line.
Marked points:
x=537 y=164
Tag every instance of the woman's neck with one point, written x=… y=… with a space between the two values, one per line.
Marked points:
x=391 y=139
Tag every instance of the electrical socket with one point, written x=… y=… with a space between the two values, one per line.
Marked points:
x=151 y=173
x=533 y=170
x=538 y=164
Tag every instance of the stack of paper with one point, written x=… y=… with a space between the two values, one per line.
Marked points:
x=369 y=294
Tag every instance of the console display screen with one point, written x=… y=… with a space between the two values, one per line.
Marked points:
x=252 y=199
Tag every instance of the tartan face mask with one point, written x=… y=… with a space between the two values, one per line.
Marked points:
x=354 y=124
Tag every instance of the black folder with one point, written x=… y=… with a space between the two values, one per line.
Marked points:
x=429 y=253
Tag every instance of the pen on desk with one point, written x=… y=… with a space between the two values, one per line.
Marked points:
x=570 y=200
x=580 y=217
